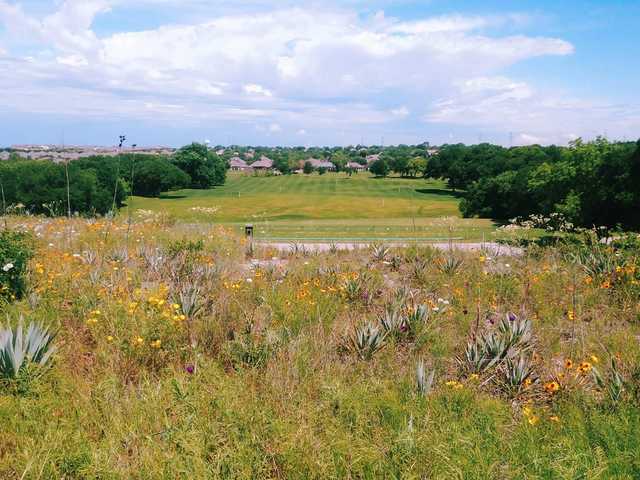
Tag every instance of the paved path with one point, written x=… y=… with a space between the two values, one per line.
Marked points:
x=494 y=248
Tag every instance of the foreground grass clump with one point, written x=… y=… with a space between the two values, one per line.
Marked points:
x=178 y=356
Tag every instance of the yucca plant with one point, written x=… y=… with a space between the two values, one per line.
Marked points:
x=20 y=351
x=424 y=378
x=367 y=340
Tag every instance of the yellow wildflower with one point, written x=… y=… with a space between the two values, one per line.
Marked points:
x=584 y=368
x=552 y=387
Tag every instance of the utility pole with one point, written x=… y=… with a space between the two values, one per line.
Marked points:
x=66 y=173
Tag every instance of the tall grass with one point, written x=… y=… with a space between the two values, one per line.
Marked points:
x=179 y=358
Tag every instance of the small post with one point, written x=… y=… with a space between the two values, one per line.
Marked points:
x=248 y=232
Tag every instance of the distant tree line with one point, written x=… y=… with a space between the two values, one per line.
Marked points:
x=98 y=184
x=591 y=183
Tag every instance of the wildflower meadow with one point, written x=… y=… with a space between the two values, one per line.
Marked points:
x=150 y=349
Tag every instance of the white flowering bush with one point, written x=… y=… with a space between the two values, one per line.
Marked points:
x=15 y=252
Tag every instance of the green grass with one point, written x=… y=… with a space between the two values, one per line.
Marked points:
x=331 y=206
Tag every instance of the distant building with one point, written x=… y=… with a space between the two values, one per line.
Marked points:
x=356 y=166
x=57 y=153
x=238 y=165
x=433 y=151
x=372 y=158
x=317 y=164
x=265 y=163
x=4 y=155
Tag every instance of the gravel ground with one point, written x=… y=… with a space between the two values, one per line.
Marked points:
x=494 y=248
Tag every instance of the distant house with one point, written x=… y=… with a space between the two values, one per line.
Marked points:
x=318 y=164
x=356 y=166
x=265 y=163
x=4 y=155
x=433 y=151
x=238 y=165
x=372 y=158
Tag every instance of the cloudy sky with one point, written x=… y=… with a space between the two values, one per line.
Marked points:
x=318 y=73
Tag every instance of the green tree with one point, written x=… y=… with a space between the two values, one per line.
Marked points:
x=340 y=160
x=380 y=168
x=154 y=175
x=308 y=168
x=205 y=168
x=417 y=166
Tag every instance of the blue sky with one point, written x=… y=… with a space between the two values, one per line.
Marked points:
x=317 y=73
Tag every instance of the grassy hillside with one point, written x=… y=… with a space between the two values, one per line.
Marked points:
x=324 y=206
x=183 y=359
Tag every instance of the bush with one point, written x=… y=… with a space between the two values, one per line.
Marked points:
x=16 y=250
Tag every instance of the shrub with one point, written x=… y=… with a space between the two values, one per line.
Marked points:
x=15 y=252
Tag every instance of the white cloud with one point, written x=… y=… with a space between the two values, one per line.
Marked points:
x=400 y=112
x=292 y=69
x=73 y=61
x=254 y=89
x=502 y=104
x=302 y=132
x=528 y=139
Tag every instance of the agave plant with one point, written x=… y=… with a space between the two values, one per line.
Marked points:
x=392 y=320
x=450 y=264
x=612 y=383
x=510 y=340
x=595 y=261
x=515 y=331
x=353 y=289
x=515 y=373
x=379 y=252
x=367 y=340
x=19 y=350
x=418 y=315
x=424 y=378
x=189 y=297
